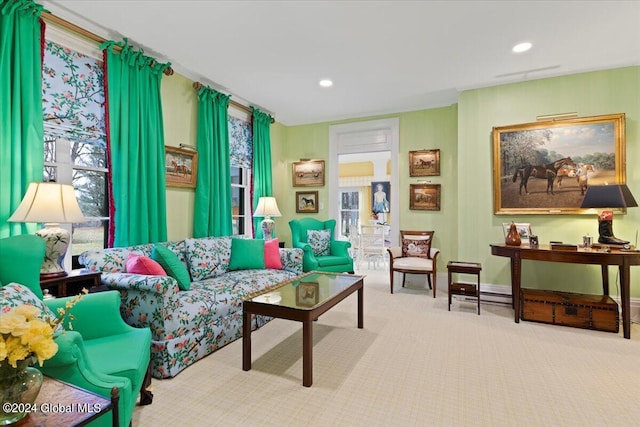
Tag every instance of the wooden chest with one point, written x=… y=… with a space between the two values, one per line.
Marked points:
x=564 y=308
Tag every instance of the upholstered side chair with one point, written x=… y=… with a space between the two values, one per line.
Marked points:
x=334 y=257
x=414 y=256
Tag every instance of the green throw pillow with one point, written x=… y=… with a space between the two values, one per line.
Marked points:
x=172 y=265
x=246 y=254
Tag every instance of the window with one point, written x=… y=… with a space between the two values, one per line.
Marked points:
x=74 y=128
x=349 y=212
x=240 y=200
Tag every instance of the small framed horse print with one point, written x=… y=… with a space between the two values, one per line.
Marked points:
x=546 y=166
x=424 y=163
x=306 y=202
x=181 y=167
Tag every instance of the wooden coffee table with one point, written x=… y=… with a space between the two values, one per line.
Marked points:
x=302 y=299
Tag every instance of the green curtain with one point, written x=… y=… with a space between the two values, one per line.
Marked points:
x=262 y=180
x=135 y=135
x=212 y=207
x=21 y=127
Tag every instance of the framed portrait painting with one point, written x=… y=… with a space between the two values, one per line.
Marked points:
x=545 y=167
x=181 y=167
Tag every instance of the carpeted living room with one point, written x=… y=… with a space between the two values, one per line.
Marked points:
x=319 y=212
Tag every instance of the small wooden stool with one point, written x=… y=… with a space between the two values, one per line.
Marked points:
x=467 y=289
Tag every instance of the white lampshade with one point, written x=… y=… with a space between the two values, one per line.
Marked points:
x=52 y=204
x=48 y=202
x=267 y=207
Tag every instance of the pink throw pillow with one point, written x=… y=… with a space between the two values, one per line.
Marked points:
x=139 y=264
x=272 y=254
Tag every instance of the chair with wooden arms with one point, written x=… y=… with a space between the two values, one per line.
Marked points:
x=414 y=256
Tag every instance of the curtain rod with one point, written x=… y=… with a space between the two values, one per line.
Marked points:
x=47 y=16
x=198 y=85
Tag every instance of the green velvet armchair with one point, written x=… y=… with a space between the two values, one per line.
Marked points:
x=338 y=259
x=102 y=351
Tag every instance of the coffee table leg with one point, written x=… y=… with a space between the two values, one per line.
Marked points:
x=361 y=307
x=307 y=353
x=246 y=341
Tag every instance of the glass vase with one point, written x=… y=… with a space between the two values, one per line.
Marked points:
x=19 y=388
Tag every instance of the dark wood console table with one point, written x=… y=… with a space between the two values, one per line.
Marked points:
x=623 y=259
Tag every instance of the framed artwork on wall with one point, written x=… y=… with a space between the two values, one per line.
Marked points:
x=181 y=167
x=306 y=202
x=380 y=196
x=424 y=197
x=308 y=173
x=545 y=167
x=424 y=163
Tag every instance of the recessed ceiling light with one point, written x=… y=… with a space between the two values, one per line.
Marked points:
x=522 y=47
x=325 y=83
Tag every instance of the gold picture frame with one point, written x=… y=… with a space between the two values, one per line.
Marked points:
x=567 y=154
x=424 y=163
x=424 y=197
x=307 y=294
x=306 y=202
x=181 y=167
x=308 y=173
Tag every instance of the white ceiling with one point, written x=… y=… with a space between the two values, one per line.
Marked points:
x=384 y=56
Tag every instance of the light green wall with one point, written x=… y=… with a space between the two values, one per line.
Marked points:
x=588 y=94
x=180 y=114
x=425 y=129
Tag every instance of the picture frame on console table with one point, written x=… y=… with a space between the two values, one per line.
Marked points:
x=545 y=167
x=306 y=202
x=181 y=167
x=424 y=197
x=424 y=163
x=524 y=230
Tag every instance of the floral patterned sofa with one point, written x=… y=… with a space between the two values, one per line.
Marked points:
x=187 y=325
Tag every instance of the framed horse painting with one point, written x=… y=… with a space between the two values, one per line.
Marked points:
x=424 y=163
x=306 y=202
x=546 y=166
x=181 y=167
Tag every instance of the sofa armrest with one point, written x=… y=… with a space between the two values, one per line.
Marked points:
x=291 y=259
x=161 y=285
x=102 y=305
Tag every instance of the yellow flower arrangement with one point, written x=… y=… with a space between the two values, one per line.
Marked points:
x=26 y=337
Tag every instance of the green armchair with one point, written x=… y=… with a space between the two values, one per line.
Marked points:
x=102 y=351
x=337 y=261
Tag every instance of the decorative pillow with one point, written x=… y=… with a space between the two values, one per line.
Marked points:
x=139 y=264
x=272 y=255
x=15 y=294
x=320 y=241
x=416 y=246
x=246 y=254
x=172 y=265
x=208 y=256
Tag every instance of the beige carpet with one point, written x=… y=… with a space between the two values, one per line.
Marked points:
x=414 y=363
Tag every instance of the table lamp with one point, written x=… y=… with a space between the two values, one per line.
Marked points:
x=608 y=196
x=52 y=204
x=267 y=207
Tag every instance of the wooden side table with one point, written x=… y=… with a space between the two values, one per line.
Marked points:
x=72 y=283
x=63 y=404
x=467 y=289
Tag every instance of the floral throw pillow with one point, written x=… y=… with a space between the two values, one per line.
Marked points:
x=320 y=241
x=15 y=294
x=418 y=246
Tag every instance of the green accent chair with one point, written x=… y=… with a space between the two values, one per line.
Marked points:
x=102 y=351
x=338 y=260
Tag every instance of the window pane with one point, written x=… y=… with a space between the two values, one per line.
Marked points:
x=50 y=174
x=91 y=192
x=49 y=150
x=88 y=236
x=349 y=222
x=92 y=155
x=236 y=176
